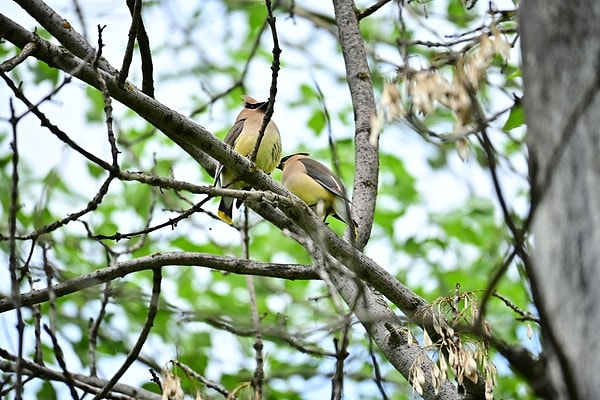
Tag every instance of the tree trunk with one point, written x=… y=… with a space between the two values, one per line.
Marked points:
x=561 y=72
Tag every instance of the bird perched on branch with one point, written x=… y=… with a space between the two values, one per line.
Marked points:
x=317 y=186
x=242 y=138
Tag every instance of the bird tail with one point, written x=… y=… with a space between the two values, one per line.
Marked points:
x=349 y=221
x=226 y=210
x=341 y=210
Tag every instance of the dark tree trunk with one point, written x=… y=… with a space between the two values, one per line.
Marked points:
x=561 y=72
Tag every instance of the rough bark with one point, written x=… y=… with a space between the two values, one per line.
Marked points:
x=363 y=100
x=561 y=54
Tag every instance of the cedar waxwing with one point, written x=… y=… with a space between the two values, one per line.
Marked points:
x=317 y=186
x=242 y=137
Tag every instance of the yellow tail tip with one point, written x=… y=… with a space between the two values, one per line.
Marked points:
x=225 y=217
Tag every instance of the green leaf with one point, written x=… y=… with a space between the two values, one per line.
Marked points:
x=96 y=111
x=317 y=122
x=516 y=117
x=95 y=170
x=42 y=73
x=397 y=181
x=517 y=73
x=47 y=391
x=458 y=14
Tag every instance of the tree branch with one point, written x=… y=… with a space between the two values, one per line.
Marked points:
x=135 y=350
x=87 y=383
x=221 y=263
x=366 y=176
x=63 y=31
x=273 y=89
x=12 y=251
x=12 y=62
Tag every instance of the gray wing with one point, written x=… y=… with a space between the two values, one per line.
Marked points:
x=325 y=177
x=234 y=132
x=230 y=139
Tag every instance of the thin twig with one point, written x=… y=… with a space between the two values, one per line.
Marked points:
x=455 y=303
x=45 y=121
x=337 y=380
x=377 y=371
x=136 y=12
x=334 y=156
x=25 y=270
x=37 y=309
x=12 y=246
x=259 y=373
x=341 y=350
x=525 y=316
x=172 y=222
x=332 y=149
x=518 y=233
x=135 y=8
x=493 y=283
x=85 y=383
x=155 y=378
x=135 y=351
x=98 y=55
x=52 y=329
x=79 y=13
x=49 y=272
x=95 y=327
x=12 y=62
x=372 y=9
x=275 y=66
x=273 y=333
x=37 y=326
x=239 y=82
x=108 y=109
x=211 y=191
x=58 y=354
x=210 y=384
x=325 y=266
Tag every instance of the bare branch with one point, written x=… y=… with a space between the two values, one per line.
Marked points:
x=94 y=327
x=11 y=63
x=372 y=8
x=377 y=371
x=193 y=374
x=229 y=264
x=363 y=99
x=525 y=316
x=138 y=31
x=12 y=249
x=275 y=73
x=58 y=354
x=259 y=372
x=290 y=338
x=108 y=109
x=337 y=380
x=79 y=13
x=135 y=8
x=239 y=82
x=45 y=121
x=146 y=55
x=135 y=351
x=86 y=383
